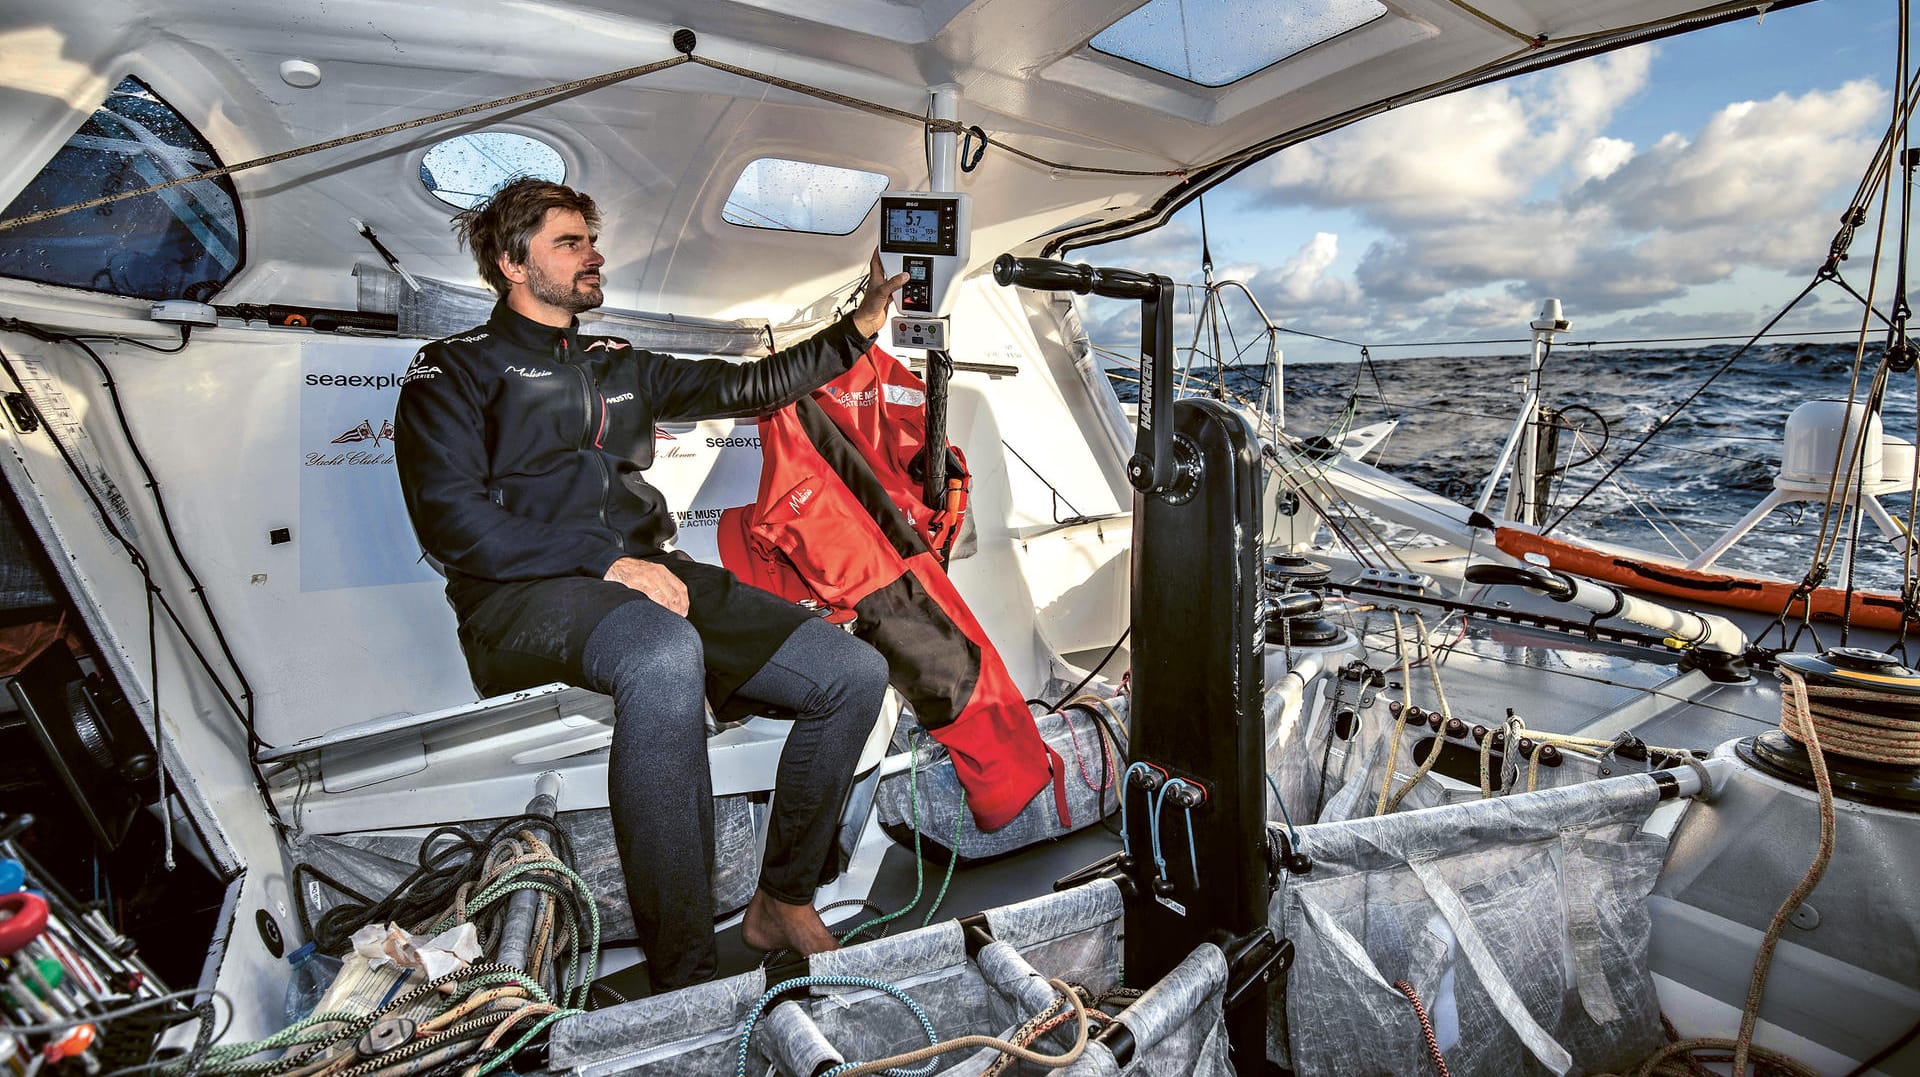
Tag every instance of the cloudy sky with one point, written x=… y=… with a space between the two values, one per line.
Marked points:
x=1686 y=187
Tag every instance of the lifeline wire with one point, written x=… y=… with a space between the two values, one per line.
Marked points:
x=1879 y=171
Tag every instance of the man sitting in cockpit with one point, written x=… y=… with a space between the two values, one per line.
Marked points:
x=522 y=447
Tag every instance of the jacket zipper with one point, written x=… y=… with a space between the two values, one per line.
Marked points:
x=590 y=441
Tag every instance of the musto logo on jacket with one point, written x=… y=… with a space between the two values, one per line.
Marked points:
x=840 y=521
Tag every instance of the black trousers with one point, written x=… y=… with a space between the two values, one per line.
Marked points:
x=658 y=667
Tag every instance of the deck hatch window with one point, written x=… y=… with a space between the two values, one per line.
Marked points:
x=795 y=196
x=1214 y=42
x=465 y=170
x=184 y=242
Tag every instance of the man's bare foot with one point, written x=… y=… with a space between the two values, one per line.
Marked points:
x=772 y=924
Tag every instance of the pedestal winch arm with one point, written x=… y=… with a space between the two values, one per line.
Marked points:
x=1151 y=467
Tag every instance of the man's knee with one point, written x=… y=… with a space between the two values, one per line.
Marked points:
x=866 y=668
x=671 y=656
x=856 y=673
x=641 y=645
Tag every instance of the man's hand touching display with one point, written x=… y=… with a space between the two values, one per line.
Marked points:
x=650 y=579
x=871 y=315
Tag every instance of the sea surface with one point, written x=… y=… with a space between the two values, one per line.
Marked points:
x=1715 y=459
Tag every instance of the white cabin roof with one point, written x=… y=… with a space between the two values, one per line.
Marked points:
x=661 y=152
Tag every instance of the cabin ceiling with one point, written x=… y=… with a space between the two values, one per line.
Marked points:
x=661 y=152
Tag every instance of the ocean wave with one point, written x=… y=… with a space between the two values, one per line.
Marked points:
x=1715 y=460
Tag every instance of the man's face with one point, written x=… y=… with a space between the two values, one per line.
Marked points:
x=563 y=268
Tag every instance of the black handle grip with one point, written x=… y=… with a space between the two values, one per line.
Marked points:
x=1043 y=274
x=1151 y=466
x=1049 y=275
x=1124 y=283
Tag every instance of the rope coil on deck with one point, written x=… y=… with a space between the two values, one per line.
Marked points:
x=1841 y=726
x=477 y=1007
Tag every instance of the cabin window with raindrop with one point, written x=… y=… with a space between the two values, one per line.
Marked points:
x=796 y=196
x=1215 y=42
x=183 y=242
x=465 y=170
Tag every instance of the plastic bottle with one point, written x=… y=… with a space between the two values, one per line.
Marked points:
x=312 y=974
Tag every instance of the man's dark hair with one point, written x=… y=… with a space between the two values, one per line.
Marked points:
x=506 y=222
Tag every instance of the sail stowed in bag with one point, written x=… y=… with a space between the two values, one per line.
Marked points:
x=1519 y=924
x=848 y=1014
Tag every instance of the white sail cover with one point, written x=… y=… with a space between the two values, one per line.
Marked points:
x=930 y=800
x=1072 y=936
x=1519 y=922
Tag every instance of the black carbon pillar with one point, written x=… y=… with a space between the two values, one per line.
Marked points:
x=1198 y=727
x=1197 y=686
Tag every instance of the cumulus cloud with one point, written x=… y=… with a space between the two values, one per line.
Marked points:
x=1482 y=203
x=1753 y=160
x=1518 y=191
x=1309 y=266
x=1601 y=158
x=1458 y=155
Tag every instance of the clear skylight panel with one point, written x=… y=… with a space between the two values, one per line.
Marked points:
x=797 y=196
x=1214 y=42
x=465 y=170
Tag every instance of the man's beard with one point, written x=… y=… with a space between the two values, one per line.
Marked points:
x=571 y=296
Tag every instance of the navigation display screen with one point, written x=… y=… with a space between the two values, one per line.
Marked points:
x=913 y=226
x=919 y=225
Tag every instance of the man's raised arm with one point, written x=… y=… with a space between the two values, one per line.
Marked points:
x=685 y=390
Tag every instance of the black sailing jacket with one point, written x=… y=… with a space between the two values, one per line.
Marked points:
x=521 y=446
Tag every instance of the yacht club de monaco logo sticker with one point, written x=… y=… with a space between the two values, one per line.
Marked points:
x=366 y=432
x=668 y=447
x=367 y=443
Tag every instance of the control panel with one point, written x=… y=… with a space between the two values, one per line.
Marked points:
x=917 y=296
x=924 y=234
x=913 y=332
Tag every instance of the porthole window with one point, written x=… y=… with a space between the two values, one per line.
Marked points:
x=184 y=242
x=465 y=170
x=796 y=196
